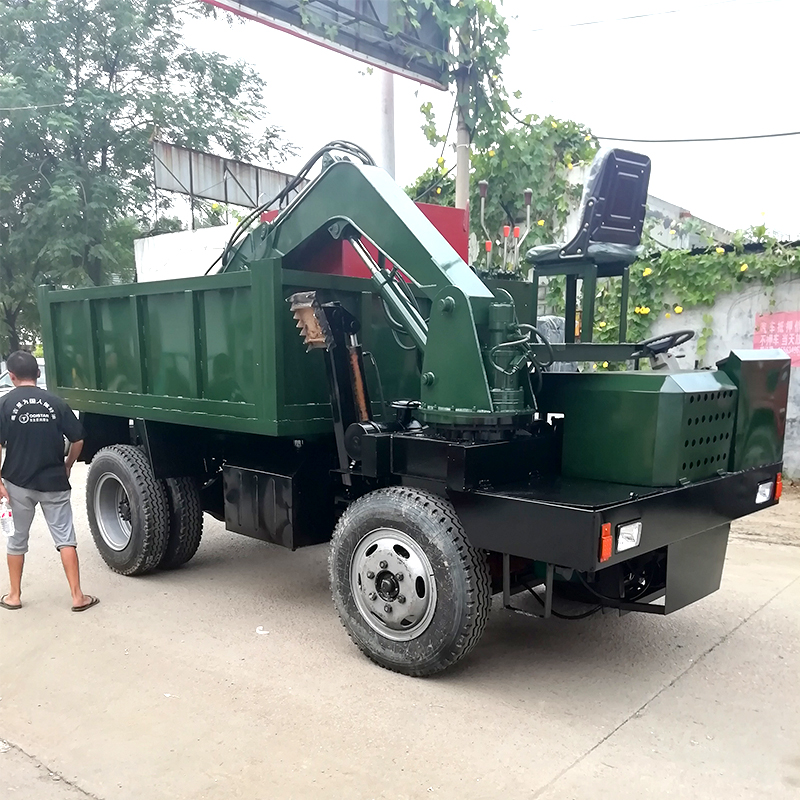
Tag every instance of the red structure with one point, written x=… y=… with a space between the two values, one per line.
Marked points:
x=340 y=259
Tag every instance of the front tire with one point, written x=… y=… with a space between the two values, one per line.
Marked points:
x=411 y=591
x=127 y=510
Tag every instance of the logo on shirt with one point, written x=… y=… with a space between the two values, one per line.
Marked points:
x=45 y=414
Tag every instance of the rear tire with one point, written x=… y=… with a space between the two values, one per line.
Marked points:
x=411 y=591
x=185 y=521
x=127 y=510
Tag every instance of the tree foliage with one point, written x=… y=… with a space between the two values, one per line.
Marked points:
x=478 y=43
x=84 y=87
x=537 y=154
x=511 y=152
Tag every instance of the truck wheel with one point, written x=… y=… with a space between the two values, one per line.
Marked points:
x=411 y=591
x=185 y=521
x=127 y=510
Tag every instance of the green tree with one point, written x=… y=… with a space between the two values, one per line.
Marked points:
x=84 y=87
x=435 y=186
x=511 y=152
x=536 y=154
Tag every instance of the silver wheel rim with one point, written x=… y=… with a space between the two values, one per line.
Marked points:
x=112 y=510
x=393 y=584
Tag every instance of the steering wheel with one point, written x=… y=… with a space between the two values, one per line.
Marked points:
x=662 y=343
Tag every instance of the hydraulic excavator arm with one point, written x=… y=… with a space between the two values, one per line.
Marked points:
x=474 y=353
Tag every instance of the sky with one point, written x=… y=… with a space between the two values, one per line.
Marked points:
x=713 y=68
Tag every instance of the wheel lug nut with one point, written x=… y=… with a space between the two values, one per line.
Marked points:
x=399 y=576
x=373 y=596
x=370 y=575
x=401 y=599
x=384 y=565
x=387 y=608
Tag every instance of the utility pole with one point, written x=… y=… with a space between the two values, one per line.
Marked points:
x=462 y=143
x=387 y=122
x=462 y=129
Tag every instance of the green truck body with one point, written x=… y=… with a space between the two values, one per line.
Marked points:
x=417 y=408
x=219 y=351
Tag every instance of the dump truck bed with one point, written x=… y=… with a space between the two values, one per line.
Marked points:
x=219 y=351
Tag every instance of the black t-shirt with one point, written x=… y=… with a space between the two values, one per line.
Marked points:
x=33 y=423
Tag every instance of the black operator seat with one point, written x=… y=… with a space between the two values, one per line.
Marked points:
x=611 y=216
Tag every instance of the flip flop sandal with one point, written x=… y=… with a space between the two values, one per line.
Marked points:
x=93 y=602
x=10 y=607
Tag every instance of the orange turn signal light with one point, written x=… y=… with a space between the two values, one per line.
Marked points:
x=606 y=542
x=778 y=485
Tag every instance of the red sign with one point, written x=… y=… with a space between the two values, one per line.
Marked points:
x=780 y=330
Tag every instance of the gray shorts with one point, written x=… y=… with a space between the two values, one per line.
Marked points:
x=57 y=513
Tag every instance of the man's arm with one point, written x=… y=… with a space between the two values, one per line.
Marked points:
x=3 y=490
x=72 y=456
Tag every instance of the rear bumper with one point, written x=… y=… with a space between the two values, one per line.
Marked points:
x=560 y=522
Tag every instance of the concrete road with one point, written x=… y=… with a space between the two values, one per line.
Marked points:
x=232 y=678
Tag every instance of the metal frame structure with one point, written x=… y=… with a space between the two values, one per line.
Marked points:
x=362 y=29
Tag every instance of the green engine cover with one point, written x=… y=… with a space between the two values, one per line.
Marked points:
x=762 y=377
x=643 y=428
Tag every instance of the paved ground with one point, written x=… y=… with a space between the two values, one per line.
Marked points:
x=232 y=678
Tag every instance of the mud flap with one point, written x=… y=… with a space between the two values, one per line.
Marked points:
x=694 y=567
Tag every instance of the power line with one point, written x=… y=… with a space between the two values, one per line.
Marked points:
x=675 y=141
x=709 y=139
x=650 y=14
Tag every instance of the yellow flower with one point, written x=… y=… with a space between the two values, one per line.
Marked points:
x=605 y=365
x=672 y=231
x=645 y=310
x=554 y=124
x=491 y=153
x=743 y=268
x=667 y=315
x=720 y=250
x=601 y=324
x=540 y=223
x=440 y=161
x=679 y=309
x=637 y=310
x=594 y=366
x=438 y=190
x=647 y=271
x=587 y=138
x=569 y=165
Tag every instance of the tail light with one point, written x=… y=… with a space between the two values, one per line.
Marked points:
x=606 y=542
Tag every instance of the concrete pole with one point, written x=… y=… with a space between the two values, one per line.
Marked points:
x=462 y=150
x=387 y=122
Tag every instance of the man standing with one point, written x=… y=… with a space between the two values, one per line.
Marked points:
x=33 y=423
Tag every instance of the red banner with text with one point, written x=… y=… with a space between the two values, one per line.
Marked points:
x=779 y=330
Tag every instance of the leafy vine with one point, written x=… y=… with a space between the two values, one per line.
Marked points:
x=665 y=284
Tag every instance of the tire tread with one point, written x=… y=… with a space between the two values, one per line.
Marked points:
x=478 y=583
x=154 y=511
x=185 y=522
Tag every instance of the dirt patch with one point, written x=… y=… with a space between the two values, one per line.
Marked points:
x=777 y=525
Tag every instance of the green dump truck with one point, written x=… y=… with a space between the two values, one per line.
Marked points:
x=414 y=419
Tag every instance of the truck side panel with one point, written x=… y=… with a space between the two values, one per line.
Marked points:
x=219 y=351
